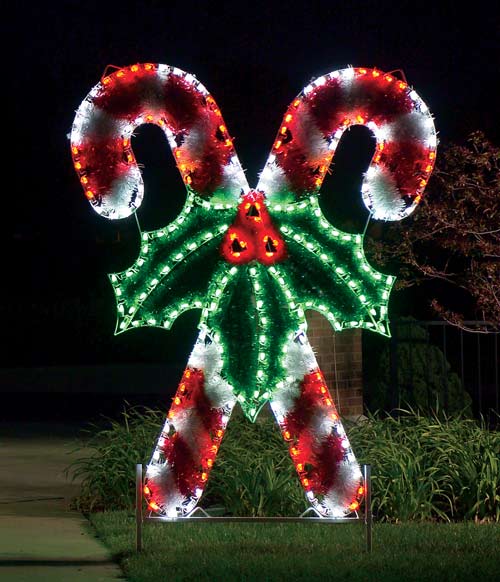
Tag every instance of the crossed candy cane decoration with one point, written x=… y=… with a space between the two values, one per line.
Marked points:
x=252 y=260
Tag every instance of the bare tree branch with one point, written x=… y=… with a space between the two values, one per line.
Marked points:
x=454 y=236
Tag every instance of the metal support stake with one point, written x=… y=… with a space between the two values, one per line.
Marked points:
x=367 y=477
x=138 y=507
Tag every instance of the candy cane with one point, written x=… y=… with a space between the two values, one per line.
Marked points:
x=317 y=442
x=191 y=436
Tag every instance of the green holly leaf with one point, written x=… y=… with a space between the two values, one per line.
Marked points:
x=173 y=269
x=253 y=322
x=327 y=270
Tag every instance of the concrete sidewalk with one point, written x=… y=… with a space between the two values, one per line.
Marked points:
x=41 y=538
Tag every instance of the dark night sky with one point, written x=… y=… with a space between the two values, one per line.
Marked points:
x=254 y=58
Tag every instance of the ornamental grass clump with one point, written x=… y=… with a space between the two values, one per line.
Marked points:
x=253 y=474
x=430 y=467
x=423 y=467
x=109 y=454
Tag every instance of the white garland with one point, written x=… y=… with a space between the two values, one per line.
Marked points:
x=381 y=194
x=337 y=500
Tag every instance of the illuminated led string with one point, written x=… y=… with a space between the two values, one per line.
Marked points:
x=294 y=305
x=220 y=280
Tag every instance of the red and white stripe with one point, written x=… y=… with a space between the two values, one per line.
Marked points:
x=190 y=118
x=317 y=442
x=196 y=423
x=316 y=120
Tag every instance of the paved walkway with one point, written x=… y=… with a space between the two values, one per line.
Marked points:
x=41 y=538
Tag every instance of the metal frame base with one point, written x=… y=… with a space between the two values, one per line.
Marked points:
x=366 y=518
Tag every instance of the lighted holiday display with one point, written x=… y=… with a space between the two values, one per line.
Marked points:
x=252 y=260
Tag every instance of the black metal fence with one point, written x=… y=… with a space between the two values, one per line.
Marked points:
x=434 y=365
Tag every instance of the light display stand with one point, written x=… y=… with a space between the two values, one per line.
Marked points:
x=199 y=515
x=252 y=261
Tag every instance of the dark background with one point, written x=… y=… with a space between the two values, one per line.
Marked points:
x=57 y=306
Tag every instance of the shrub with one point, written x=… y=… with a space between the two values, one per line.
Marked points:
x=425 y=379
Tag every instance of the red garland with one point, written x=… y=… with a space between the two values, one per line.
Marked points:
x=407 y=161
x=208 y=172
x=327 y=105
x=325 y=464
x=316 y=461
x=123 y=95
x=301 y=174
x=191 y=465
x=128 y=92
x=184 y=465
x=102 y=162
x=182 y=103
x=313 y=393
x=373 y=98
x=301 y=414
x=197 y=399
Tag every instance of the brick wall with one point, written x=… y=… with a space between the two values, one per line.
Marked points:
x=339 y=356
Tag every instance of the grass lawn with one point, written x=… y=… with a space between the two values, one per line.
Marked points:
x=289 y=552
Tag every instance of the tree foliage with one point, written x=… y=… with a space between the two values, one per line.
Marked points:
x=454 y=236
